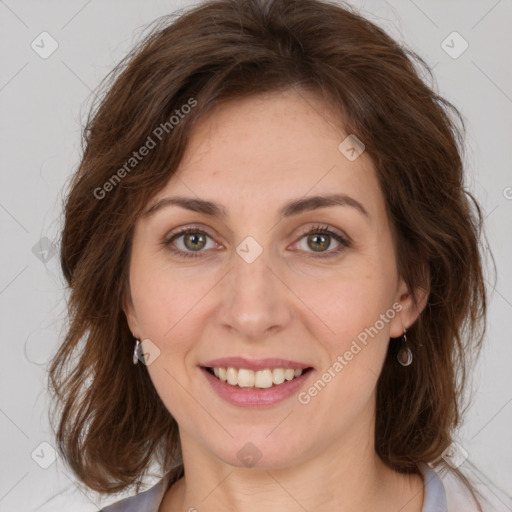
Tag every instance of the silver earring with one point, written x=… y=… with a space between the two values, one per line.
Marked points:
x=404 y=355
x=136 y=352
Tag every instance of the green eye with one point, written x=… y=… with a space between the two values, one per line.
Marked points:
x=193 y=241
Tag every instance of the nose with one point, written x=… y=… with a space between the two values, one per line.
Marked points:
x=255 y=300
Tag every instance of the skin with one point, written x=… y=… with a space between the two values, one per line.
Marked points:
x=252 y=156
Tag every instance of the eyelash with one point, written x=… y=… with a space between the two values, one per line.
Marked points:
x=318 y=229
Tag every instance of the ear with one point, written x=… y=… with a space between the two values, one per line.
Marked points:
x=129 y=311
x=410 y=311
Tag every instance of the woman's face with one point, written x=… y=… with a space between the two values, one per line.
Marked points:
x=257 y=282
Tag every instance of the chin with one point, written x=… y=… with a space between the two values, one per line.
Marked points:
x=261 y=452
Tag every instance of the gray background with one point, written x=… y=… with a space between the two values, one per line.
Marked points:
x=44 y=101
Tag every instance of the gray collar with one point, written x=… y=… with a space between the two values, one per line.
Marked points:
x=435 y=495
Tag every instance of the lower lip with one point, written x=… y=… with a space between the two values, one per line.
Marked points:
x=254 y=397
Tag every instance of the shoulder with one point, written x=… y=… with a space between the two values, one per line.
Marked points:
x=459 y=497
x=147 y=501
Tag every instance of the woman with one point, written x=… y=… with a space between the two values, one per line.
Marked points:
x=274 y=268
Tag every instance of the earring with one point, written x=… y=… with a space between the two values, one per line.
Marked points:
x=136 y=352
x=404 y=355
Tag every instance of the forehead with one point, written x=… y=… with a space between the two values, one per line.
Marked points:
x=269 y=148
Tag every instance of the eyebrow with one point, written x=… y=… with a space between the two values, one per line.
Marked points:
x=292 y=208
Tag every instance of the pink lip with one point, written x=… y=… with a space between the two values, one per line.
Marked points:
x=253 y=397
x=254 y=364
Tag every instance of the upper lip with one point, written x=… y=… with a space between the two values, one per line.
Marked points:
x=254 y=364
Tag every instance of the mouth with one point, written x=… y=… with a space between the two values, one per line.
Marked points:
x=255 y=379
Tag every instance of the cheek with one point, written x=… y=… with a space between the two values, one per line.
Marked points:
x=350 y=318
x=163 y=299
x=350 y=302
x=355 y=347
x=165 y=309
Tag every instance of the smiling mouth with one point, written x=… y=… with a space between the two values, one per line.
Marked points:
x=260 y=379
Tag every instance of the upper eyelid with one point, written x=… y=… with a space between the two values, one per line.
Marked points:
x=183 y=231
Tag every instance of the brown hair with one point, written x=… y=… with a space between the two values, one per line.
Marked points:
x=112 y=423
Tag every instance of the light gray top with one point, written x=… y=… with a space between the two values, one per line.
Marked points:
x=150 y=500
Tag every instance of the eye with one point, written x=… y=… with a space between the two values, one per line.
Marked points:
x=188 y=241
x=319 y=239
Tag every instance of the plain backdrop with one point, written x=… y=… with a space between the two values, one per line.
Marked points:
x=43 y=103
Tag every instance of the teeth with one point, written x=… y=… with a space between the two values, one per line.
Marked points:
x=232 y=376
x=278 y=375
x=262 y=379
x=246 y=378
x=289 y=374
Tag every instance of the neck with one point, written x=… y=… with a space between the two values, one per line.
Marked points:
x=348 y=477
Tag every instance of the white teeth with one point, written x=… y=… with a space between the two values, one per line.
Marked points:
x=262 y=379
x=278 y=375
x=245 y=378
x=232 y=376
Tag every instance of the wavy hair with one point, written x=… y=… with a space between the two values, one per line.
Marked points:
x=111 y=423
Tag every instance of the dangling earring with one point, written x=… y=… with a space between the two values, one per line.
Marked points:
x=136 y=351
x=404 y=355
